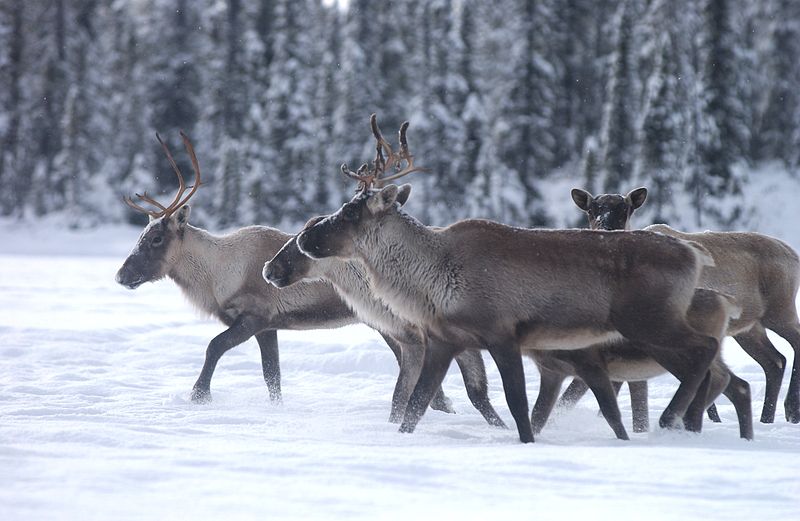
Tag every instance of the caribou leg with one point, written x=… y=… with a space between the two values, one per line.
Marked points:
x=509 y=364
x=713 y=414
x=410 y=358
x=473 y=370
x=238 y=332
x=756 y=344
x=436 y=362
x=575 y=391
x=549 y=384
x=270 y=363
x=791 y=333
x=693 y=418
x=738 y=392
x=689 y=365
x=639 y=408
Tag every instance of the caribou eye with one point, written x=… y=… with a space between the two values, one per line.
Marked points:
x=157 y=240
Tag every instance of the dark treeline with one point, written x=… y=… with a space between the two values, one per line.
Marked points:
x=680 y=95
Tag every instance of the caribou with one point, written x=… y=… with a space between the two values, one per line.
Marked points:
x=289 y=266
x=760 y=272
x=479 y=284
x=221 y=276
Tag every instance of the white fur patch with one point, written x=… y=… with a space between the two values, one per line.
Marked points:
x=550 y=339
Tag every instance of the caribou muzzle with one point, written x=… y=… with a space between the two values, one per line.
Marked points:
x=275 y=274
x=127 y=278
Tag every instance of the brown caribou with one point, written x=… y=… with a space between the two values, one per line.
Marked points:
x=760 y=272
x=289 y=266
x=221 y=276
x=483 y=285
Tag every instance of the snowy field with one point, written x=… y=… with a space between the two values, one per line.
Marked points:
x=96 y=422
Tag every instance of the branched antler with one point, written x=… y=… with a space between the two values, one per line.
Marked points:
x=371 y=176
x=179 y=199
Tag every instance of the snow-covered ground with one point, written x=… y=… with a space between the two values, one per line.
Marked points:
x=95 y=421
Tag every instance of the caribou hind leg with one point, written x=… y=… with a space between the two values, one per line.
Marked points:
x=549 y=384
x=597 y=380
x=738 y=392
x=572 y=395
x=791 y=333
x=473 y=370
x=689 y=364
x=693 y=418
x=242 y=328
x=756 y=344
x=509 y=364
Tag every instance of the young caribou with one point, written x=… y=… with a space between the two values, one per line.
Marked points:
x=480 y=284
x=760 y=272
x=221 y=275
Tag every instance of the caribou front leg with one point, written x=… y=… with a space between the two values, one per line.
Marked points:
x=270 y=363
x=241 y=329
x=434 y=368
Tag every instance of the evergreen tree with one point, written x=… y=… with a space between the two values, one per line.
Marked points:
x=721 y=138
x=619 y=127
x=779 y=132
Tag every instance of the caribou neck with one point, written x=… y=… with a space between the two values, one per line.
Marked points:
x=404 y=261
x=193 y=268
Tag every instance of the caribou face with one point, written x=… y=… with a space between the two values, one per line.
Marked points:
x=290 y=265
x=609 y=211
x=155 y=251
x=336 y=235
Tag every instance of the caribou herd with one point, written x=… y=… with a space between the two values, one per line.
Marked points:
x=605 y=306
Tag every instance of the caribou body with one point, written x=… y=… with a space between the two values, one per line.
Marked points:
x=760 y=272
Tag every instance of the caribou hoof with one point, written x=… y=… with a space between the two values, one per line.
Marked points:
x=201 y=396
x=443 y=403
x=793 y=416
x=670 y=421
x=406 y=428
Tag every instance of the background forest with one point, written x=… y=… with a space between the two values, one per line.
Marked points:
x=688 y=97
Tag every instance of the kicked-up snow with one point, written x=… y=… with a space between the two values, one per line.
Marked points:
x=96 y=422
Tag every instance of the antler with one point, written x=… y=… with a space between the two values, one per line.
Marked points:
x=179 y=199
x=368 y=177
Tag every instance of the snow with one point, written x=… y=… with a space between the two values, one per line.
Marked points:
x=96 y=422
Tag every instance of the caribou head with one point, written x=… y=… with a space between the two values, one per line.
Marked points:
x=289 y=265
x=158 y=245
x=334 y=235
x=609 y=211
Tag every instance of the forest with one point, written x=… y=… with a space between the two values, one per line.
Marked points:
x=685 y=97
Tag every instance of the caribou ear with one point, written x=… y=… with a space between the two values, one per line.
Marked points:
x=383 y=199
x=636 y=197
x=403 y=193
x=582 y=198
x=182 y=216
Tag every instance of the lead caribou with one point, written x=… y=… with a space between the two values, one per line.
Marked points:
x=221 y=276
x=760 y=272
x=480 y=284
